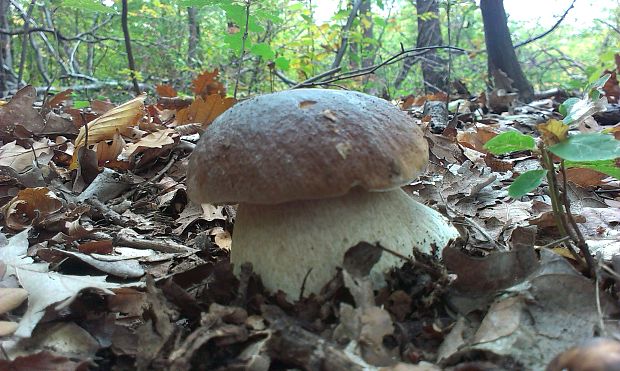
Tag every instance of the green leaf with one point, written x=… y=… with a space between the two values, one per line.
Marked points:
x=263 y=50
x=510 y=141
x=88 y=5
x=607 y=167
x=235 y=12
x=526 y=182
x=567 y=105
x=197 y=3
x=283 y=63
x=235 y=41
x=587 y=147
x=593 y=89
x=78 y=104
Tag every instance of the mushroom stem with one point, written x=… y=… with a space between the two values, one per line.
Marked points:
x=286 y=241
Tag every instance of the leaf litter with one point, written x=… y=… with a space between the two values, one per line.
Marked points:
x=108 y=264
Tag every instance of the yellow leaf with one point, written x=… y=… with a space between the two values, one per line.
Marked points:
x=553 y=131
x=105 y=126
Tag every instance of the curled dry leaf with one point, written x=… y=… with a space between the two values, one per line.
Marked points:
x=29 y=206
x=109 y=151
x=22 y=159
x=7 y=328
x=11 y=298
x=105 y=126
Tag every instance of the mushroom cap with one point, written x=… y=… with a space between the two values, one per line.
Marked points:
x=305 y=144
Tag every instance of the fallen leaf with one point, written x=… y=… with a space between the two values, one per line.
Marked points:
x=30 y=206
x=105 y=126
x=165 y=91
x=22 y=159
x=51 y=288
x=19 y=112
x=204 y=111
x=206 y=84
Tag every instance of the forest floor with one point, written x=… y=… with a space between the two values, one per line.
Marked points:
x=122 y=271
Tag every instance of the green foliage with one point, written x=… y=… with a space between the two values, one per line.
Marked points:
x=608 y=167
x=510 y=141
x=587 y=147
x=88 y=6
x=526 y=182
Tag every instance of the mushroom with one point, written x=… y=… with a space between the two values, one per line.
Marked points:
x=315 y=172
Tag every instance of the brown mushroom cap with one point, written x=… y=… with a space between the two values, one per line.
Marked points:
x=305 y=144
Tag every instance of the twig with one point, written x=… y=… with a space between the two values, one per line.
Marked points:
x=167 y=246
x=518 y=45
x=371 y=69
x=110 y=214
x=317 y=77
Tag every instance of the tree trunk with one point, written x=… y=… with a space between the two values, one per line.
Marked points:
x=194 y=36
x=130 y=61
x=7 y=80
x=429 y=34
x=500 y=50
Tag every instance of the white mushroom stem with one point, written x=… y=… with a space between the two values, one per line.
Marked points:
x=285 y=241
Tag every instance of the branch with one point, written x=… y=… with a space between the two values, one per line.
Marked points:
x=616 y=29
x=572 y=5
x=405 y=53
x=345 y=34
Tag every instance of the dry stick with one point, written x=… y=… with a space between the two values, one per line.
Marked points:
x=157 y=245
x=243 y=40
x=130 y=61
x=572 y=5
x=317 y=77
x=371 y=69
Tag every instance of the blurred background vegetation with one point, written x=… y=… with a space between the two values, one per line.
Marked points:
x=64 y=43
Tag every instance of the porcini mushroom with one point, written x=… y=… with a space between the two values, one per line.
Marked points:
x=315 y=172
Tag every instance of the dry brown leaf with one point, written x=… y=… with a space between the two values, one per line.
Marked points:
x=165 y=91
x=105 y=126
x=22 y=159
x=158 y=139
x=19 y=114
x=57 y=99
x=204 y=111
x=29 y=206
x=109 y=151
x=206 y=84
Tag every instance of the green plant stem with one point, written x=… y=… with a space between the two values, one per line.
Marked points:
x=556 y=204
x=576 y=234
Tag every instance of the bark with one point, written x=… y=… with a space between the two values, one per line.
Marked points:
x=130 y=60
x=429 y=34
x=434 y=67
x=194 y=37
x=500 y=50
x=344 y=42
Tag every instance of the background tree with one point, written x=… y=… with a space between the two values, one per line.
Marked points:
x=500 y=50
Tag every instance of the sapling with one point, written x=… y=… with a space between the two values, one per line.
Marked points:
x=597 y=151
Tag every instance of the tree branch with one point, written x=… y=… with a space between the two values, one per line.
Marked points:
x=345 y=34
x=572 y=5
